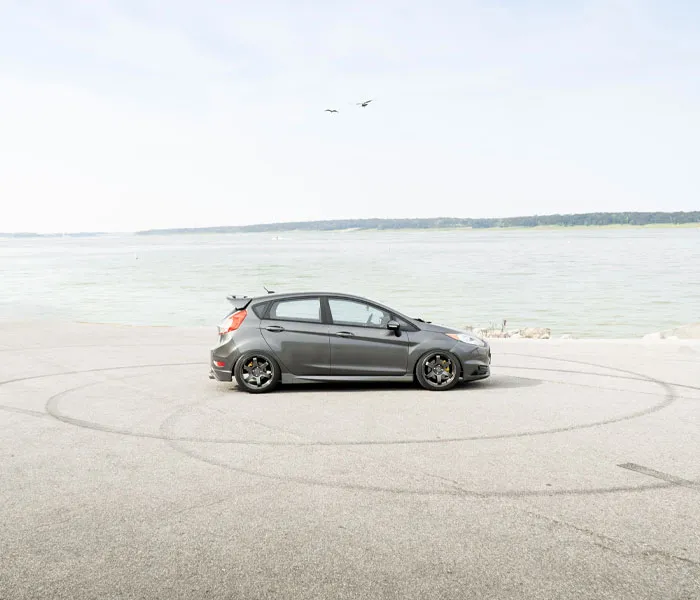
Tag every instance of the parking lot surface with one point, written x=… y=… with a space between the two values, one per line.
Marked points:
x=573 y=472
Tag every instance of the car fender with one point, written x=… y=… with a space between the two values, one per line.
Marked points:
x=267 y=348
x=463 y=352
x=231 y=350
x=432 y=344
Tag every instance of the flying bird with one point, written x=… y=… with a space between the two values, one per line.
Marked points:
x=363 y=104
x=330 y=110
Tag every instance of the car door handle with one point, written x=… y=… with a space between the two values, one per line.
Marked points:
x=274 y=328
x=345 y=334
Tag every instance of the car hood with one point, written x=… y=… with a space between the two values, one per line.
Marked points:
x=438 y=328
x=442 y=329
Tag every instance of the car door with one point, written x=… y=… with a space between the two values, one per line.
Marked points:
x=361 y=344
x=296 y=334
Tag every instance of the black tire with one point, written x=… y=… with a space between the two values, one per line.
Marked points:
x=256 y=373
x=438 y=371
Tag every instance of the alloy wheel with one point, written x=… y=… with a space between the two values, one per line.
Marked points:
x=257 y=373
x=439 y=370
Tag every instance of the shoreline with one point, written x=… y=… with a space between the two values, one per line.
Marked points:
x=665 y=336
x=277 y=232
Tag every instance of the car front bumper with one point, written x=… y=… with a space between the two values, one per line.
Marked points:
x=476 y=361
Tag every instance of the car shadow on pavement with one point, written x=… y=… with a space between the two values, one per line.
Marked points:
x=493 y=382
x=504 y=382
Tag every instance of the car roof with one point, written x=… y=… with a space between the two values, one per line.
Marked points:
x=281 y=295
x=254 y=300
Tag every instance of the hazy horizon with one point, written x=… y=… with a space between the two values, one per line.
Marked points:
x=370 y=219
x=126 y=116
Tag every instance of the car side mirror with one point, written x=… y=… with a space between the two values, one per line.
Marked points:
x=394 y=326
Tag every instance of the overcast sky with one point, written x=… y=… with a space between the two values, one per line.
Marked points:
x=124 y=115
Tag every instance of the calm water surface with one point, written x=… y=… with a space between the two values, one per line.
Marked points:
x=590 y=283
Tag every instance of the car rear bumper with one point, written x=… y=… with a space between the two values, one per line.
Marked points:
x=221 y=367
x=220 y=375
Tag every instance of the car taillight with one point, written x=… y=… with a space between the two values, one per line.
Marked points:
x=232 y=322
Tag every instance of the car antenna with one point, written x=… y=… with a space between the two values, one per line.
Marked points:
x=268 y=291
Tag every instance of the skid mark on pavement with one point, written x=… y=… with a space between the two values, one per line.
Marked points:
x=660 y=475
x=454 y=487
x=53 y=409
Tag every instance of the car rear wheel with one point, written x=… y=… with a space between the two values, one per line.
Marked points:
x=256 y=372
x=438 y=371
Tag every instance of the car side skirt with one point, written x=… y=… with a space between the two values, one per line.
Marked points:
x=289 y=378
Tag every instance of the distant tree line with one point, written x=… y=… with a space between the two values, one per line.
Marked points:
x=576 y=220
x=593 y=219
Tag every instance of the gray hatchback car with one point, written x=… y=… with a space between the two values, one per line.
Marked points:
x=324 y=337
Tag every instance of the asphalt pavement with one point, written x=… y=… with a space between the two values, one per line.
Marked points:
x=573 y=472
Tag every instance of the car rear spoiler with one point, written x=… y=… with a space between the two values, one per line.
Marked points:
x=239 y=302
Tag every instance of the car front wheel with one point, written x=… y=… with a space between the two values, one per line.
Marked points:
x=438 y=371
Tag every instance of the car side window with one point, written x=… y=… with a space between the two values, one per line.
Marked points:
x=302 y=309
x=260 y=309
x=358 y=314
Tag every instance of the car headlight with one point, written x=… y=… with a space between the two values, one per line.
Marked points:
x=468 y=338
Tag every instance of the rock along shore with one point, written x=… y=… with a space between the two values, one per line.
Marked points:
x=685 y=332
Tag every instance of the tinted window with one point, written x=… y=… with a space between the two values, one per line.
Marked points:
x=259 y=309
x=350 y=312
x=304 y=309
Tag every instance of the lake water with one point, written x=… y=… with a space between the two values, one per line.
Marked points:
x=611 y=283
